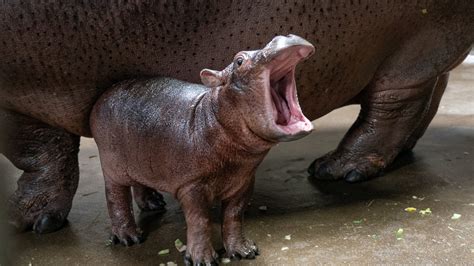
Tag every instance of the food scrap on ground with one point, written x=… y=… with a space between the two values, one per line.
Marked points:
x=169 y=263
x=410 y=209
x=399 y=234
x=426 y=211
x=164 y=252
x=456 y=216
x=418 y=198
x=179 y=245
x=374 y=236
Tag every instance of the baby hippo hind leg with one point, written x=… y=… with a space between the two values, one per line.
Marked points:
x=237 y=246
x=119 y=204
x=388 y=118
x=48 y=158
x=196 y=208
x=148 y=199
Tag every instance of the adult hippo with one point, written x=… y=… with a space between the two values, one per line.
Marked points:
x=57 y=57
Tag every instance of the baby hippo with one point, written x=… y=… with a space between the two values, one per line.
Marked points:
x=200 y=143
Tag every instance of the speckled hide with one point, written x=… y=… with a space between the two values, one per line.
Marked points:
x=201 y=144
x=391 y=57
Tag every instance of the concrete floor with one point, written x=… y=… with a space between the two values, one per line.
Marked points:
x=332 y=223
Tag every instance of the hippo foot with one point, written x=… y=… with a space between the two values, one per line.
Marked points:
x=41 y=224
x=245 y=249
x=350 y=167
x=149 y=200
x=37 y=214
x=203 y=256
x=48 y=223
x=127 y=236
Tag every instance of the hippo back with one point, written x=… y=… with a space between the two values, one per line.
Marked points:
x=57 y=57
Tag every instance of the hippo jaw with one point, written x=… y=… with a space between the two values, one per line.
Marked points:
x=289 y=122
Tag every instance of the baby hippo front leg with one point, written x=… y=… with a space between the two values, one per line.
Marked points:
x=237 y=246
x=196 y=207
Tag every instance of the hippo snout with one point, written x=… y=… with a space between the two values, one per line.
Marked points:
x=284 y=42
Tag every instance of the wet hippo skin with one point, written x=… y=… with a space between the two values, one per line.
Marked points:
x=201 y=144
x=58 y=57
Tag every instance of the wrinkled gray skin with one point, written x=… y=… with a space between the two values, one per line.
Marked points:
x=57 y=58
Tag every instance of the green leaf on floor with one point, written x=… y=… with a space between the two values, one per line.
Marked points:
x=179 y=245
x=456 y=216
x=164 y=252
x=426 y=211
x=399 y=234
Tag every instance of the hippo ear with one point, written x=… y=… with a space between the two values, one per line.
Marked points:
x=211 y=78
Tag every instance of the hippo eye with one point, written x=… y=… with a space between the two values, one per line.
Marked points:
x=239 y=61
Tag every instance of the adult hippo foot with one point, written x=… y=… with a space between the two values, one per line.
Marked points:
x=201 y=256
x=393 y=116
x=48 y=223
x=347 y=166
x=244 y=249
x=48 y=158
x=127 y=236
x=37 y=214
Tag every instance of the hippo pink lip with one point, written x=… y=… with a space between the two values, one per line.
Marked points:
x=287 y=114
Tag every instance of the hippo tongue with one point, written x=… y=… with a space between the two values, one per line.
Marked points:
x=282 y=111
x=286 y=110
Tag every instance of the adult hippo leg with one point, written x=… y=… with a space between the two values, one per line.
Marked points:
x=397 y=105
x=434 y=104
x=48 y=157
x=148 y=199
x=387 y=119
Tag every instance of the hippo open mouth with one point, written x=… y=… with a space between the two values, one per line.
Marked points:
x=287 y=113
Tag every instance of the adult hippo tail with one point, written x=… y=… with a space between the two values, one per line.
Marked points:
x=57 y=57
